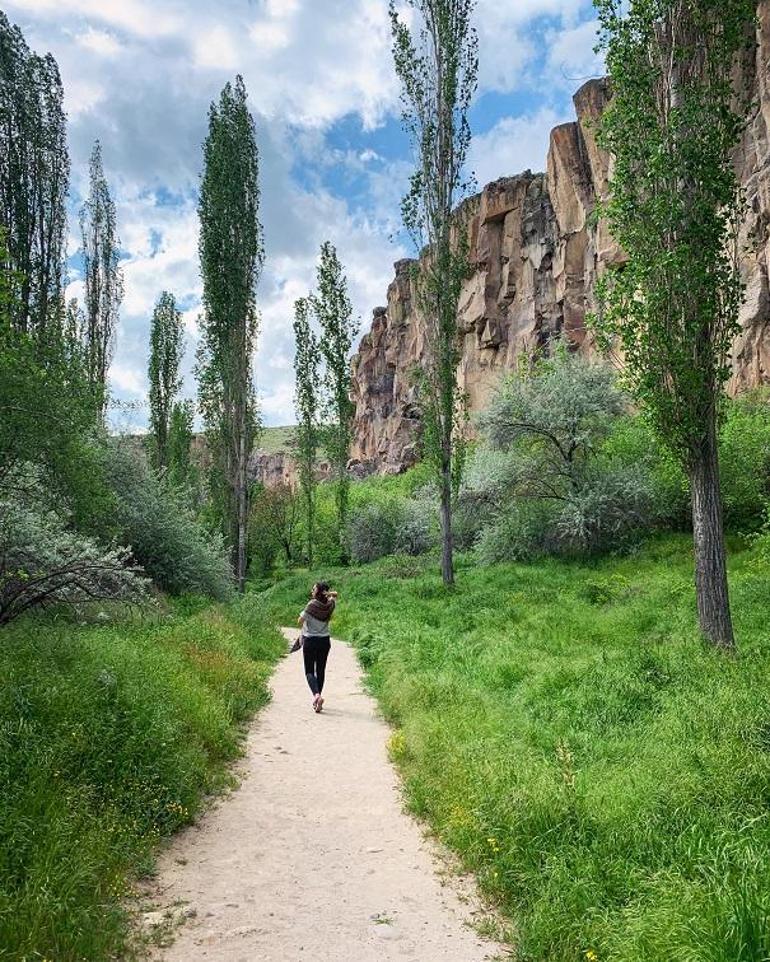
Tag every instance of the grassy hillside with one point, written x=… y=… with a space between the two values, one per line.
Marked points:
x=564 y=729
x=274 y=439
x=110 y=736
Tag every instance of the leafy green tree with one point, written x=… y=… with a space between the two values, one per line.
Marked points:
x=274 y=515
x=103 y=276
x=675 y=208
x=332 y=307
x=34 y=178
x=306 y=406
x=166 y=350
x=231 y=254
x=437 y=63
x=180 y=438
x=46 y=413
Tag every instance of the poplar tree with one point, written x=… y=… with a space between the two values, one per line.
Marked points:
x=437 y=63
x=180 y=438
x=34 y=179
x=675 y=207
x=333 y=309
x=231 y=255
x=103 y=277
x=306 y=406
x=166 y=350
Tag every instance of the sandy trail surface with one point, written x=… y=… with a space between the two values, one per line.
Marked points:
x=313 y=857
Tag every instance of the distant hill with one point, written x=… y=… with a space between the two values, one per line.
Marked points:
x=276 y=439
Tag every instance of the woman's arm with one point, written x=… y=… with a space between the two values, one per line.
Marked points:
x=301 y=619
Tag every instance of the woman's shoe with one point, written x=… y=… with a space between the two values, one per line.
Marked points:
x=315 y=703
x=320 y=705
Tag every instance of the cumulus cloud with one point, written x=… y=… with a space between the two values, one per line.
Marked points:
x=513 y=145
x=140 y=75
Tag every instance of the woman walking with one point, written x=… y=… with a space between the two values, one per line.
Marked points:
x=316 y=643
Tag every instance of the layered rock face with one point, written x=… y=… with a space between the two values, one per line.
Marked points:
x=537 y=253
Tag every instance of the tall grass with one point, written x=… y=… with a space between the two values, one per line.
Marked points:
x=110 y=736
x=563 y=728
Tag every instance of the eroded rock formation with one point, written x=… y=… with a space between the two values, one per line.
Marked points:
x=537 y=252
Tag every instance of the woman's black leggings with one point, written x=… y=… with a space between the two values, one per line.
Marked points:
x=315 y=651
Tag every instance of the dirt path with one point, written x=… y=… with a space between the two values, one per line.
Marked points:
x=313 y=858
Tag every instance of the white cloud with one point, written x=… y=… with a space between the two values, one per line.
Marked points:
x=571 y=58
x=128 y=379
x=215 y=47
x=99 y=41
x=135 y=16
x=140 y=75
x=513 y=145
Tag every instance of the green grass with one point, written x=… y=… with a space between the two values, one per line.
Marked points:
x=563 y=728
x=110 y=737
x=274 y=439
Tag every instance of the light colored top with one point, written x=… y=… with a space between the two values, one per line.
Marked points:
x=313 y=627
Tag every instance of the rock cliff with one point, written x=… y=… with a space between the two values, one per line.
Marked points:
x=537 y=252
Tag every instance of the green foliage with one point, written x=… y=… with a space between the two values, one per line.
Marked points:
x=44 y=563
x=674 y=123
x=436 y=60
x=164 y=535
x=548 y=482
x=744 y=455
x=274 y=521
x=45 y=373
x=103 y=276
x=331 y=305
x=560 y=726
x=306 y=404
x=181 y=471
x=394 y=525
x=34 y=180
x=166 y=349
x=110 y=739
x=231 y=254
x=675 y=206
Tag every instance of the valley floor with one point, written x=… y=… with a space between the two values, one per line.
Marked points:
x=313 y=857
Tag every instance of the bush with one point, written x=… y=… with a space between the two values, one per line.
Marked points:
x=548 y=478
x=371 y=532
x=43 y=562
x=164 y=535
x=744 y=453
x=390 y=526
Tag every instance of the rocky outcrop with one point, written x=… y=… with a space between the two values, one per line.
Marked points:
x=536 y=252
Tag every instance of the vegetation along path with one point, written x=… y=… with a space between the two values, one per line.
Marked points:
x=313 y=857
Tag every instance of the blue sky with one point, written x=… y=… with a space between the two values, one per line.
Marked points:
x=140 y=74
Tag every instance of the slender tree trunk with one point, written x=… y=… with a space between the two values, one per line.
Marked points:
x=242 y=505
x=447 y=562
x=710 y=556
x=310 y=521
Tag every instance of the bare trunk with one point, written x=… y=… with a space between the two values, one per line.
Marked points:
x=710 y=556
x=447 y=561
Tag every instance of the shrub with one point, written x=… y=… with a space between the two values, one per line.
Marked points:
x=164 y=535
x=547 y=479
x=744 y=452
x=370 y=532
x=43 y=562
x=416 y=529
x=390 y=526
